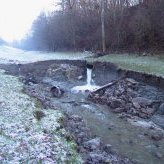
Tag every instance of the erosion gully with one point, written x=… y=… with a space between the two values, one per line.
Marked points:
x=127 y=139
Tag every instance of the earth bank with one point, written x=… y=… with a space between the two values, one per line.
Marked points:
x=40 y=77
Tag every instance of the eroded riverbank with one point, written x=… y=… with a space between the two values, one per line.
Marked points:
x=131 y=138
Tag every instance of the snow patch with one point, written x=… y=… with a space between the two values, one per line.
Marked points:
x=14 y=55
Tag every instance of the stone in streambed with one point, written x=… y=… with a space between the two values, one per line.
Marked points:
x=157 y=137
x=143 y=102
x=132 y=93
x=95 y=158
x=161 y=109
x=108 y=148
x=159 y=120
x=158 y=155
x=80 y=77
x=93 y=144
x=119 y=110
x=56 y=91
x=146 y=112
x=115 y=103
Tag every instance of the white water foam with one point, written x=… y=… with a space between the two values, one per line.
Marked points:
x=89 y=86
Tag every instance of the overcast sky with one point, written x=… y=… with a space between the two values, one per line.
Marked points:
x=16 y=16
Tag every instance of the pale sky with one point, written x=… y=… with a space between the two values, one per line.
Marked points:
x=16 y=16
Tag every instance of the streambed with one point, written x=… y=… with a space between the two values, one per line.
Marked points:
x=130 y=140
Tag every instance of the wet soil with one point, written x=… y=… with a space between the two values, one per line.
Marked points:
x=130 y=137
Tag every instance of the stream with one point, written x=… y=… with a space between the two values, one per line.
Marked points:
x=127 y=139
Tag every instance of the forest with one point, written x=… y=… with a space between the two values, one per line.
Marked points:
x=96 y=25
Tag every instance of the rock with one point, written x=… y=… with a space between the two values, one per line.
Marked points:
x=119 y=110
x=131 y=93
x=95 y=158
x=156 y=104
x=104 y=99
x=30 y=79
x=161 y=109
x=136 y=105
x=158 y=155
x=150 y=111
x=159 y=120
x=143 y=115
x=146 y=112
x=93 y=144
x=109 y=92
x=128 y=106
x=115 y=103
x=157 y=136
x=96 y=96
x=132 y=81
x=108 y=148
x=76 y=118
x=143 y=102
x=56 y=91
x=80 y=77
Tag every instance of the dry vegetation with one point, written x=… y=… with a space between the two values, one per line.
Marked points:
x=29 y=134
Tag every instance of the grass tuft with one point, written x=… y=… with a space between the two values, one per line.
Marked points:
x=38 y=114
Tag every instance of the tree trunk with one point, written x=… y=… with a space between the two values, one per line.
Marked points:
x=103 y=25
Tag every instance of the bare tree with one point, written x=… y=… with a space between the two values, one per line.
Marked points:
x=103 y=25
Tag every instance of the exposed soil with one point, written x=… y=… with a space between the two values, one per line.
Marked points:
x=40 y=77
x=124 y=97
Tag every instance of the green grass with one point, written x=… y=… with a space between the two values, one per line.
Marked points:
x=147 y=64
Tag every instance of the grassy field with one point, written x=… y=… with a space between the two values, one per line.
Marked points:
x=147 y=64
x=28 y=133
x=14 y=55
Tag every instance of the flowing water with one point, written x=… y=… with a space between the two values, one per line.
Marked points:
x=89 y=76
x=127 y=139
x=87 y=87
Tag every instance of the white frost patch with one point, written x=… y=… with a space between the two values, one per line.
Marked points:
x=13 y=55
x=24 y=139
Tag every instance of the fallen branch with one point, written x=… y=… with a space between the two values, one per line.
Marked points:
x=105 y=86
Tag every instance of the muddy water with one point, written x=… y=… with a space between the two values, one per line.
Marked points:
x=125 y=138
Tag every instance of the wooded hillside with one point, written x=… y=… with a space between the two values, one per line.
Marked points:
x=129 y=25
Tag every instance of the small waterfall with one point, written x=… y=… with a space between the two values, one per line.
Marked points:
x=89 y=76
x=89 y=86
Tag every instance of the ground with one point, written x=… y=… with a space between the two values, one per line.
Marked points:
x=28 y=133
x=147 y=64
x=14 y=55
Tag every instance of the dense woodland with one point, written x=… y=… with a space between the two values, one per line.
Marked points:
x=121 y=25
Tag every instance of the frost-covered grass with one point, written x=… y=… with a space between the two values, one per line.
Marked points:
x=24 y=139
x=148 y=64
x=13 y=55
